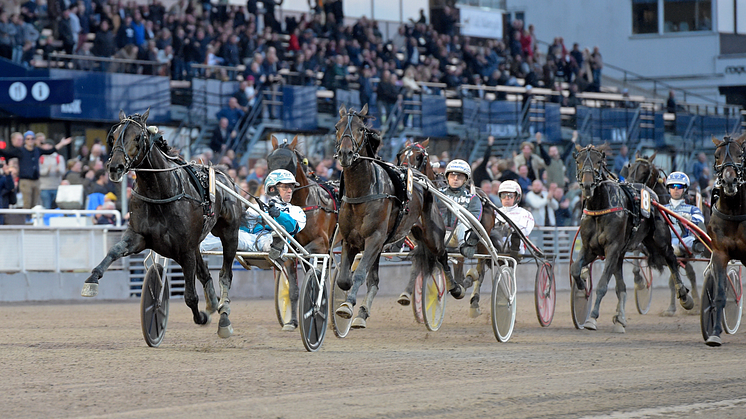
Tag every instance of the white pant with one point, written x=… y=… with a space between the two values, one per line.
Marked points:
x=458 y=236
x=247 y=242
x=678 y=249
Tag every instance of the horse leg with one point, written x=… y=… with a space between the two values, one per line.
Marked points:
x=372 y=285
x=620 y=319
x=474 y=310
x=458 y=273
x=660 y=243
x=719 y=263
x=130 y=244
x=203 y=274
x=689 y=269
x=671 y=310
x=230 y=244
x=291 y=267
x=405 y=298
x=612 y=265
x=190 y=293
x=373 y=245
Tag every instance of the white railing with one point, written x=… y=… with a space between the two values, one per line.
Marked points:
x=37 y=215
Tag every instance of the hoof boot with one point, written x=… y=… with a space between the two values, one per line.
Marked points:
x=590 y=324
x=89 y=290
x=404 y=299
x=344 y=311
x=225 y=332
x=358 y=323
x=474 y=312
x=290 y=326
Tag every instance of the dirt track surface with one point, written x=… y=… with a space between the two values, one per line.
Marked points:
x=89 y=360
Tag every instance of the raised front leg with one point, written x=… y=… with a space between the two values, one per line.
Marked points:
x=373 y=246
x=719 y=264
x=130 y=244
x=372 y=285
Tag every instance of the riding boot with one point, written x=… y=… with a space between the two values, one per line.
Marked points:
x=469 y=246
x=276 y=248
x=515 y=246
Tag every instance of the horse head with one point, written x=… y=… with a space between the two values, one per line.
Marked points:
x=285 y=156
x=354 y=138
x=591 y=163
x=729 y=169
x=414 y=155
x=129 y=142
x=642 y=170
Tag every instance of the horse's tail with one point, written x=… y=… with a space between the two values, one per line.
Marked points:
x=423 y=260
x=656 y=260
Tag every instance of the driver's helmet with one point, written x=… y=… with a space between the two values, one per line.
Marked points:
x=511 y=186
x=459 y=166
x=677 y=178
x=279 y=176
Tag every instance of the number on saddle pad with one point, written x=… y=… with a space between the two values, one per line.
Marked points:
x=645 y=202
x=410 y=183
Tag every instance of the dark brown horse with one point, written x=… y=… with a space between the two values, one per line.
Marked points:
x=610 y=227
x=643 y=171
x=374 y=213
x=415 y=155
x=171 y=216
x=727 y=226
x=316 y=201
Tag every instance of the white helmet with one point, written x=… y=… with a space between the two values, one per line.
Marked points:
x=459 y=166
x=510 y=186
x=279 y=176
x=678 y=178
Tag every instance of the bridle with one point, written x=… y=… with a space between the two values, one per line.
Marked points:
x=728 y=161
x=588 y=166
x=357 y=146
x=118 y=144
x=653 y=171
x=402 y=159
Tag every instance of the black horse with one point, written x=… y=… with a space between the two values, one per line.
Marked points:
x=611 y=226
x=374 y=213
x=643 y=171
x=171 y=212
x=317 y=202
x=415 y=155
x=727 y=226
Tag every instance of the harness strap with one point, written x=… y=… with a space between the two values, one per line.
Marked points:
x=368 y=198
x=158 y=201
x=595 y=213
x=728 y=217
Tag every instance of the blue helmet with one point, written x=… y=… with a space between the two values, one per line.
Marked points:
x=677 y=178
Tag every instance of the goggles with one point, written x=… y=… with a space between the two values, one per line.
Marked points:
x=676 y=186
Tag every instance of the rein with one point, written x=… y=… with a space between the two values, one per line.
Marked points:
x=596 y=213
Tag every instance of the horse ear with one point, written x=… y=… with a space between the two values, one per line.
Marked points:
x=364 y=111
x=578 y=148
x=274 y=142
x=740 y=140
x=342 y=110
x=144 y=117
x=716 y=141
x=425 y=143
x=637 y=154
x=294 y=143
x=122 y=116
x=651 y=158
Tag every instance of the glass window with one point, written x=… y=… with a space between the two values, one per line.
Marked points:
x=644 y=16
x=687 y=15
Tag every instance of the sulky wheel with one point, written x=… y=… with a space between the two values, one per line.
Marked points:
x=644 y=291
x=313 y=310
x=545 y=294
x=340 y=325
x=283 y=308
x=707 y=314
x=733 y=301
x=503 y=303
x=433 y=299
x=154 y=305
x=580 y=300
x=417 y=299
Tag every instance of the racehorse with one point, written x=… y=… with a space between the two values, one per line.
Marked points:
x=374 y=212
x=171 y=215
x=643 y=171
x=318 y=204
x=415 y=156
x=727 y=226
x=610 y=227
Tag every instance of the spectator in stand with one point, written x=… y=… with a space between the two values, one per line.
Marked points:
x=388 y=92
x=621 y=160
x=259 y=171
x=221 y=135
x=106 y=219
x=533 y=162
x=704 y=179
x=65 y=31
x=597 y=64
x=578 y=56
x=7 y=189
x=74 y=175
x=104 y=45
x=556 y=170
x=507 y=170
x=563 y=214
x=7 y=36
x=28 y=164
x=523 y=180
x=541 y=203
x=366 y=87
x=699 y=166
x=51 y=169
x=129 y=52
x=671 y=102
x=232 y=112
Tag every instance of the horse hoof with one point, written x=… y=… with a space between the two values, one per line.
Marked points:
x=225 y=332
x=458 y=292
x=358 y=323
x=206 y=316
x=89 y=290
x=474 y=312
x=687 y=303
x=713 y=341
x=344 y=311
x=404 y=299
x=590 y=324
x=668 y=313
x=618 y=328
x=289 y=326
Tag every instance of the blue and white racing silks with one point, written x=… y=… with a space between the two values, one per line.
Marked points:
x=689 y=212
x=291 y=218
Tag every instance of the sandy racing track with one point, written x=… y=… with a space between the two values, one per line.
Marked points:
x=83 y=360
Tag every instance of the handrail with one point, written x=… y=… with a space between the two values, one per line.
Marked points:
x=62 y=56
x=38 y=218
